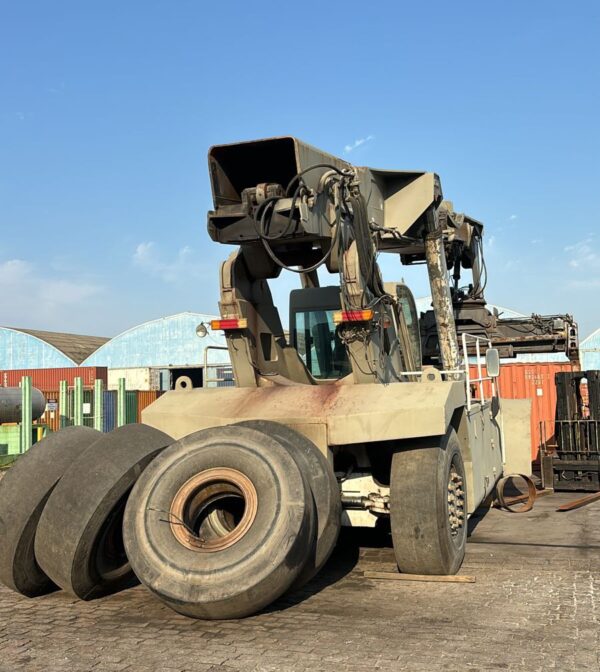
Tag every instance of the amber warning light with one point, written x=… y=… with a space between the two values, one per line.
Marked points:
x=341 y=316
x=229 y=324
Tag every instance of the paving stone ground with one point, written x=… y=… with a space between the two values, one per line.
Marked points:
x=535 y=605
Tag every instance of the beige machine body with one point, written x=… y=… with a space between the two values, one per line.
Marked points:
x=391 y=396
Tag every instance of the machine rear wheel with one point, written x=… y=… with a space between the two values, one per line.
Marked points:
x=24 y=491
x=428 y=504
x=219 y=526
x=79 y=541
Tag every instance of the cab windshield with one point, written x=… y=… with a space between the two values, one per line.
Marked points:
x=319 y=346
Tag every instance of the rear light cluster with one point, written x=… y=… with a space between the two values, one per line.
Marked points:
x=341 y=316
x=229 y=324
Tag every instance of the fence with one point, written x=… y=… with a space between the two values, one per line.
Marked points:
x=72 y=405
x=100 y=409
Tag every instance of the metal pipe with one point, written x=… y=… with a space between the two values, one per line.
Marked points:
x=63 y=402
x=98 y=404
x=78 y=403
x=26 y=414
x=121 y=403
x=354 y=501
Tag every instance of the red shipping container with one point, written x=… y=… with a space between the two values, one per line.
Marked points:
x=49 y=379
x=533 y=381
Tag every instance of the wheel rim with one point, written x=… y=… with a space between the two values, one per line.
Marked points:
x=456 y=501
x=213 y=510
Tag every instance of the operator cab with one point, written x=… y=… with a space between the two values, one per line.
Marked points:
x=313 y=332
x=316 y=339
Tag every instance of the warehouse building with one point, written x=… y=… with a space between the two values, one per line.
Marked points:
x=31 y=349
x=154 y=355
x=163 y=353
x=589 y=351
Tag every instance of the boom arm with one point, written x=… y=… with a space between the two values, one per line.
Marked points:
x=288 y=205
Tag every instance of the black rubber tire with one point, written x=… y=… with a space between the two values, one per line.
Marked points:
x=421 y=533
x=323 y=485
x=259 y=567
x=79 y=540
x=24 y=490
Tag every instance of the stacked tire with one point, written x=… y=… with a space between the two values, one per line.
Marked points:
x=217 y=525
x=228 y=519
x=61 y=507
x=24 y=492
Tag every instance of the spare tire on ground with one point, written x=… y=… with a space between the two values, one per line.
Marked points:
x=221 y=524
x=79 y=540
x=323 y=485
x=24 y=491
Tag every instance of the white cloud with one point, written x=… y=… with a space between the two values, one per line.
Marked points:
x=181 y=268
x=32 y=297
x=512 y=218
x=583 y=258
x=583 y=255
x=357 y=143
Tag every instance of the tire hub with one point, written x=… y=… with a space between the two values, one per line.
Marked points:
x=213 y=510
x=456 y=501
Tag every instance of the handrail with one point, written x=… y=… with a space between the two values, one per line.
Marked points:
x=205 y=378
x=480 y=377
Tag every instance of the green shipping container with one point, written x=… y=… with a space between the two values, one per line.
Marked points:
x=131 y=407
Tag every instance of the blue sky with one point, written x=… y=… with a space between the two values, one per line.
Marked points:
x=107 y=110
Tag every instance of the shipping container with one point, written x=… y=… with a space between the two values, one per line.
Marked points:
x=530 y=381
x=142 y=378
x=110 y=411
x=49 y=379
x=51 y=416
x=145 y=398
x=131 y=407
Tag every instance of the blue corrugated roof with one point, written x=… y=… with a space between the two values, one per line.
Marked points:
x=21 y=350
x=589 y=351
x=168 y=341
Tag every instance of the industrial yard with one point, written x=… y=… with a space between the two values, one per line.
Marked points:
x=533 y=607
x=299 y=337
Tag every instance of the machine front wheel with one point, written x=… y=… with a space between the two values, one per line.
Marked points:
x=428 y=503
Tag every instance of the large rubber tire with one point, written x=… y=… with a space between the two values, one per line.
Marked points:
x=323 y=485
x=423 y=479
x=24 y=490
x=79 y=540
x=250 y=570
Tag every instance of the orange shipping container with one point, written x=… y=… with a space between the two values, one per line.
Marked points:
x=533 y=381
x=51 y=416
x=145 y=398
